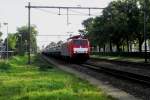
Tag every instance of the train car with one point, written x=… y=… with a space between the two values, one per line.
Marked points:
x=52 y=51
x=76 y=48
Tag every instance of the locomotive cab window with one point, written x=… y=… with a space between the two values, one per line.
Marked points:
x=80 y=42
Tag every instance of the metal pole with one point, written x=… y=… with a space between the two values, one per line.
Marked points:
x=1 y=45
x=145 y=30
x=20 y=43
x=7 y=42
x=26 y=46
x=67 y=16
x=29 y=59
x=0 y=27
x=89 y=12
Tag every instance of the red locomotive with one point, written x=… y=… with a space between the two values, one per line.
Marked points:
x=77 y=48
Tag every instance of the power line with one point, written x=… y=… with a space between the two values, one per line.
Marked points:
x=52 y=35
x=59 y=13
x=61 y=7
x=68 y=9
x=78 y=12
x=47 y=11
x=45 y=41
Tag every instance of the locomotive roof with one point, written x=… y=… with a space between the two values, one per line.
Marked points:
x=77 y=37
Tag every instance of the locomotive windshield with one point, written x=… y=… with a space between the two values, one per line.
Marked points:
x=80 y=42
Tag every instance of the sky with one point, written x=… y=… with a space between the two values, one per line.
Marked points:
x=47 y=21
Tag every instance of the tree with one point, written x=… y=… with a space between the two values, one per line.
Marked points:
x=121 y=23
x=52 y=44
x=88 y=27
x=12 y=41
x=22 y=33
x=0 y=38
x=59 y=43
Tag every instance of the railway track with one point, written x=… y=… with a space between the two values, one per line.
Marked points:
x=126 y=63
x=137 y=85
x=142 y=79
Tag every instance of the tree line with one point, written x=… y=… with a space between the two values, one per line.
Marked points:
x=17 y=42
x=120 y=24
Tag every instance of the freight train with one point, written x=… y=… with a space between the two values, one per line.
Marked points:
x=76 y=48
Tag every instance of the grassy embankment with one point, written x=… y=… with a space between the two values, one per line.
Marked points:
x=41 y=81
x=119 y=58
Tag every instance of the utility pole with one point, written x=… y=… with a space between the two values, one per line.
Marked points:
x=26 y=46
x=20 y=43
x=0 y=27
x=145 y=28
x=0 y=45
x=29 y=32
x=67 y=16
x=7 y=40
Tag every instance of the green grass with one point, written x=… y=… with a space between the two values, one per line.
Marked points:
x=118 y=58
x=41 y=81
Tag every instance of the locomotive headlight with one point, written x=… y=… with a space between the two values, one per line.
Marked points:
x=86 y=51
x=80 y=50
x=74 y=51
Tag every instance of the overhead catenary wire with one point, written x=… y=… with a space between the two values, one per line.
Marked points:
x=45 y=41
x=81 y=13
x=64 y=7
x=78 y=13
x=52 y=35
x=47 y=11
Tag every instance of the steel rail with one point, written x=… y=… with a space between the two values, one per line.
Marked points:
x=142 y=79
x=135 y=64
